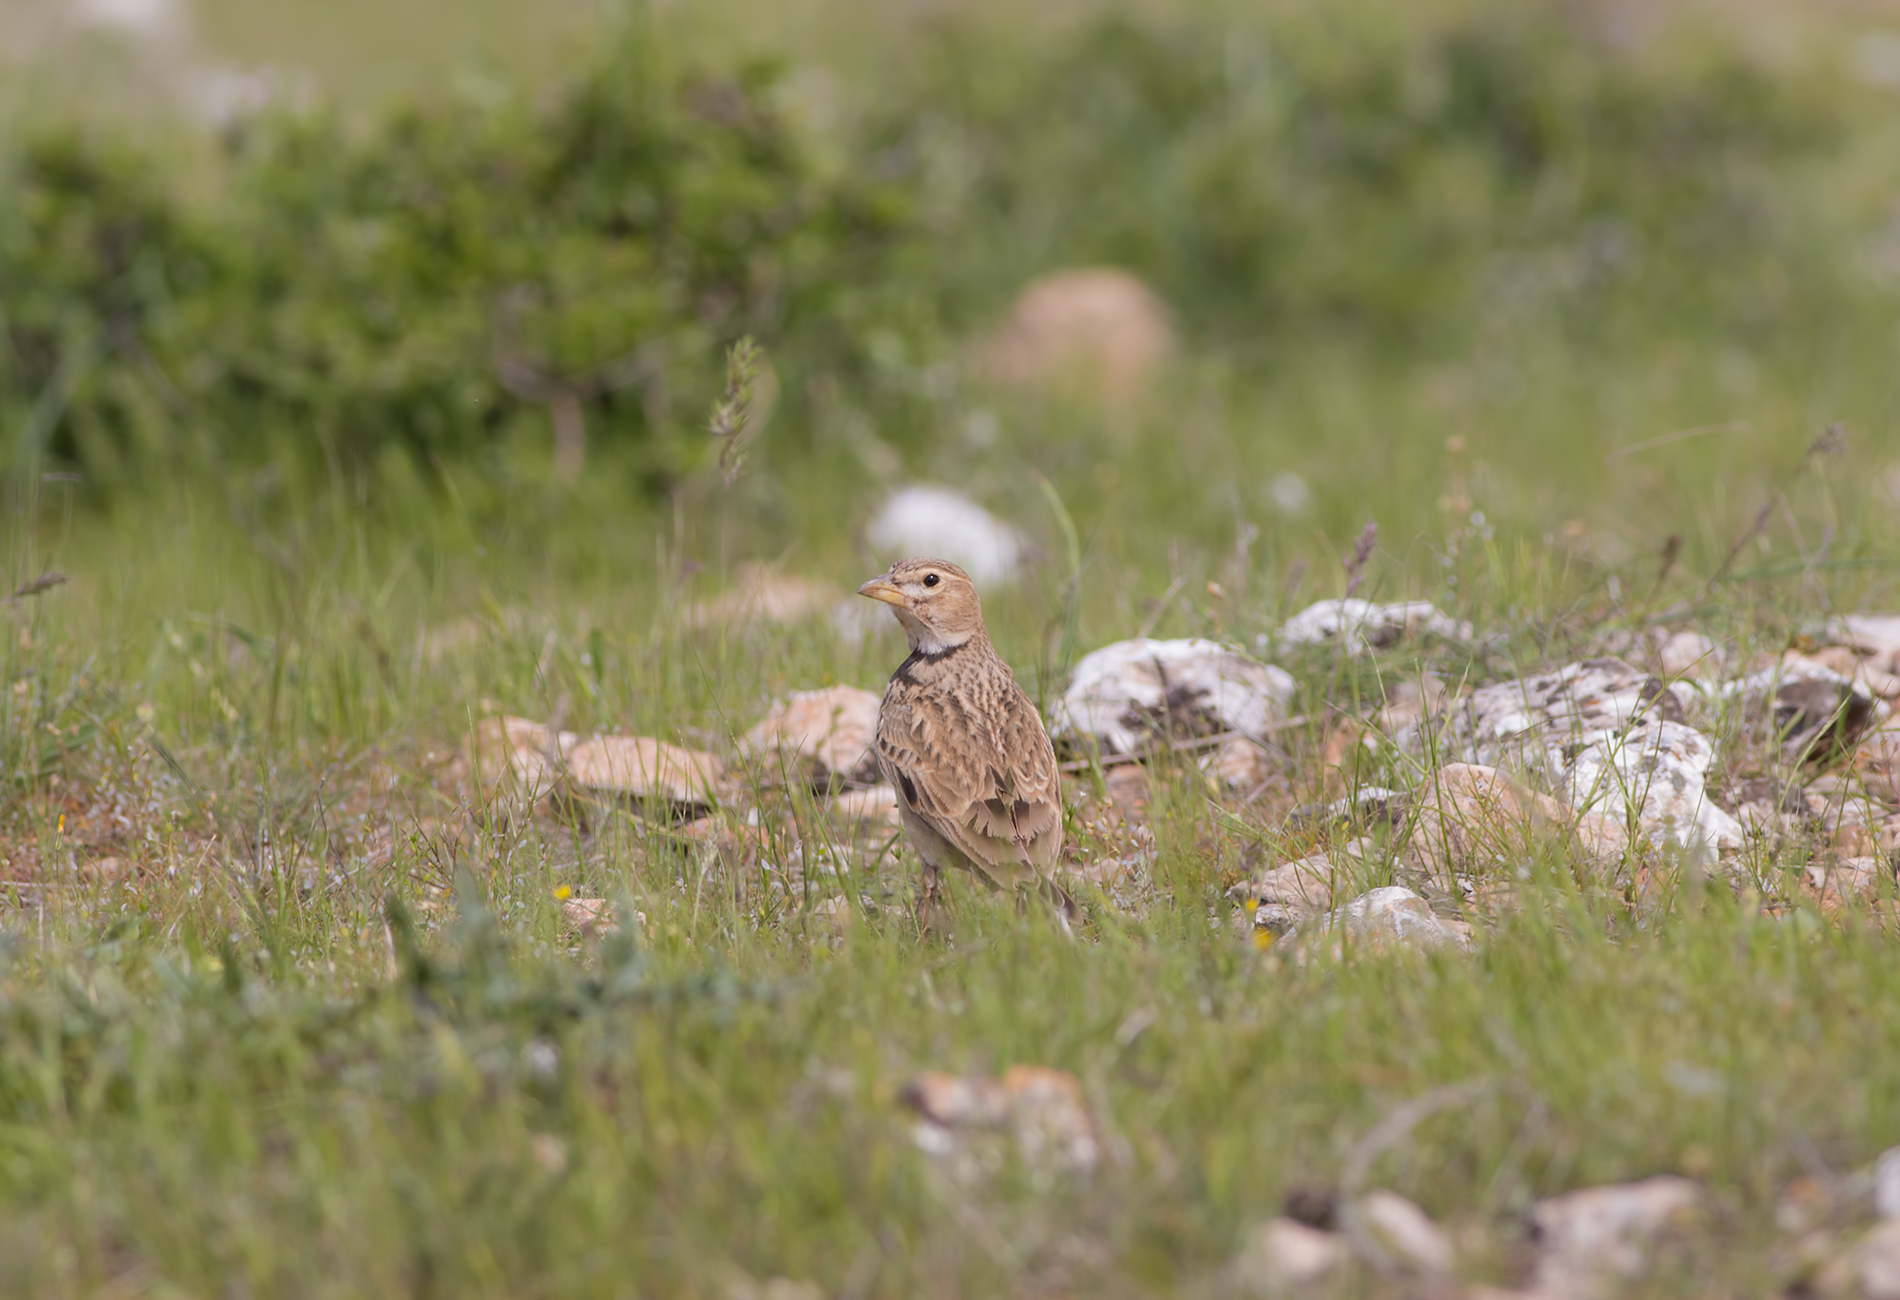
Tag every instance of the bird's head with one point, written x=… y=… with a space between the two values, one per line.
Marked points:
x=934 y=601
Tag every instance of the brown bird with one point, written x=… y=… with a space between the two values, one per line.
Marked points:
x=966 y=751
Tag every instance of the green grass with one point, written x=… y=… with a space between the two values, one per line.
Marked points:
x=321 y=1028
x=211 y=1079
x=727 y=1106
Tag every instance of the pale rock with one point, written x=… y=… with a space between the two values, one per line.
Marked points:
x=1053 y=1125
x=1850 y=832
x=528 y=751
x=543 y=762
x=1874 y=637
x=1391 y=915
x=1280 y=898
x=1095 y=332
x=1869 y=1270
x=1658 y=769
x=1111 y=875
x=1360 y=848
x=1358 y=626
x=1857 y=880
x=1408 y=703
x=1403 y=1235
x=1877 y=760
x=1466 y=817
x=549 y=1154
x=1849 y=664
x=1041 y=1108
x=1289 y=493
x=1611 y=738
x=1688 y=655
x=764 y=595
x=1887 y=1183
x=1238 y=763
x=943 y=524
x=1127 y=693
x=821 y=738
x=1530 y=721
x=1285 y=1257
x=1367 y=805
x=1815 y=710
x=871 y=807
x=1760 y=819
x=1601 y=841
x=594 y=917
x=774 y=1288
x=1130 y=792
x=1674 y=656
x=641 y=767
x=146 y=18
x=1591 y=1242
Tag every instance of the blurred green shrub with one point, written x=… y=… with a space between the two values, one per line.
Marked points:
x=427 y=286
x=447 y=283
x=1360 y=168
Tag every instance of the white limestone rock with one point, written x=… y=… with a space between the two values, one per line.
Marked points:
x=1362 y=625
x=1126 y=694
x=943 y=524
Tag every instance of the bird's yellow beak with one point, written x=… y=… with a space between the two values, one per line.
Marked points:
x=882 y=588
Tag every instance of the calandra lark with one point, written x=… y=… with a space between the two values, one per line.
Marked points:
x=974 y=771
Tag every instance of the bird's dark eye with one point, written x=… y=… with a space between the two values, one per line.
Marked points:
x=930 y=580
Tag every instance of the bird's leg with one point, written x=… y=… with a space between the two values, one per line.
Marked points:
x=1059 y=899
x=928 y=902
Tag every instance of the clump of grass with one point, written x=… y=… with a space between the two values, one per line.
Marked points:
x=731 y=417
x=329 y=975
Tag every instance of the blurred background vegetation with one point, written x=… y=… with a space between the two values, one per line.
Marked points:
x=1435 y=262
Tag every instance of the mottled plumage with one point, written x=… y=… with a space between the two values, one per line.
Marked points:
x=961 y=743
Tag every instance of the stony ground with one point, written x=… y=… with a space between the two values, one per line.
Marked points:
x=1364 y=795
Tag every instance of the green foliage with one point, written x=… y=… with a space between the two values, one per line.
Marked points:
x=92 y=250
x=1401 y=179
x=446 y=285
x=425 y=286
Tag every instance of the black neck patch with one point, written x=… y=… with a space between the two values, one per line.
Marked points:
x=905 y=672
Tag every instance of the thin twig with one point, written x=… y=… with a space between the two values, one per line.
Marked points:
x=1361 y=553
x=1733 y=426
x=1748 y=535
x=1831 y=441
x=45 y=582
x=1161 y=607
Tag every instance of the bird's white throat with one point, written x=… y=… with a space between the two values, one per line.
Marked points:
x=926 y=640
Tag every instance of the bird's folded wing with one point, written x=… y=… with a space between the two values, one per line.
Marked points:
x=994 y=794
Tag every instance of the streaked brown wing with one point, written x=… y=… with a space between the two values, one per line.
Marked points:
x=983 y=778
